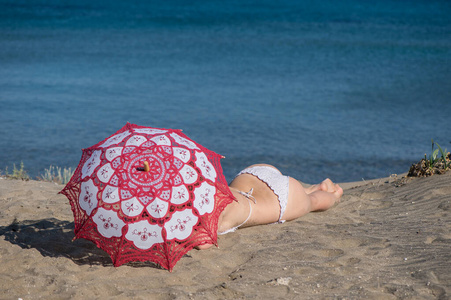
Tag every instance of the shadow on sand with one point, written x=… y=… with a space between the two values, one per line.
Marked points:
x=53 y=238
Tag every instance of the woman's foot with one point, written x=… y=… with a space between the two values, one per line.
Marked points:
x=327 y=186
x=326 y=195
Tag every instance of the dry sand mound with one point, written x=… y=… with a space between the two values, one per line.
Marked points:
x=384 y=241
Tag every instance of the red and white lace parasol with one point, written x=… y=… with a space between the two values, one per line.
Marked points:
x=148 y=194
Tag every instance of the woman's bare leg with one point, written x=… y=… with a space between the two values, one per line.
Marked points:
x=300 y=202
x=322 y=197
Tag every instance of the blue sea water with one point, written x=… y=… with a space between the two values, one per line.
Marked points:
x=345 y=89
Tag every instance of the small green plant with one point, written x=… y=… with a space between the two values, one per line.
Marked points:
x=57 y=175
x=435 y=164
x=434 y=158
x=444 y=154
x=17 y=173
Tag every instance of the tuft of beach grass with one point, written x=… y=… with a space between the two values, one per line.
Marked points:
x=52 y=174
x=20 y=174
x=57 y=174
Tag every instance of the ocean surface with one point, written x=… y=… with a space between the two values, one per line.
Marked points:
x=347 y=89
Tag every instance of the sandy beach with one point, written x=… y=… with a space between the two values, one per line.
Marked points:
x=387 y=239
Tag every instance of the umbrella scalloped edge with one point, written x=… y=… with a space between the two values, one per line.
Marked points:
x=156 y=214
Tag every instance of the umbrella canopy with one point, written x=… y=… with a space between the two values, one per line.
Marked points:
x=148 y=194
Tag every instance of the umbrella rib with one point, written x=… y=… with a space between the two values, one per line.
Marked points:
x=117 y=255
x=166 y=253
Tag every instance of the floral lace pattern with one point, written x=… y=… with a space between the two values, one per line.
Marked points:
x=182 y=189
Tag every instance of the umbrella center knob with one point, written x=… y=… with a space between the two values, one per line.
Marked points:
x=146 y=167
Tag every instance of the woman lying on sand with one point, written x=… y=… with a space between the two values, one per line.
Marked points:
x=266 y=196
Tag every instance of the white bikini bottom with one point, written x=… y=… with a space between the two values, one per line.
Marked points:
x=277 y=182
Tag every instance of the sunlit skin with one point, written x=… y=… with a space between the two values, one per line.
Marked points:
x=301 y=201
